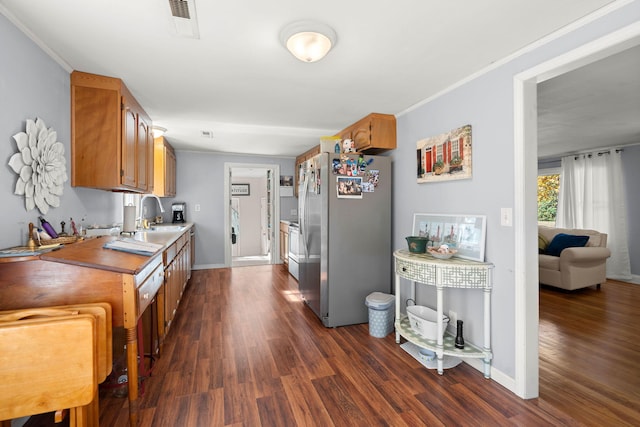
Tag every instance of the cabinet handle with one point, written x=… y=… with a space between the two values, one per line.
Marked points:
x=145 y=296
x=404 y=268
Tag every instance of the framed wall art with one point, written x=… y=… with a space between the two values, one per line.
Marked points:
x=240 y=190
x=445 y=157
x=464 y=233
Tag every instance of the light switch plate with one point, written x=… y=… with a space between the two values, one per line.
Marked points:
x=506 y=217
x=197 y=207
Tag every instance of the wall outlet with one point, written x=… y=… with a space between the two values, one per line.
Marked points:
x=453 y=317
x=294 y=212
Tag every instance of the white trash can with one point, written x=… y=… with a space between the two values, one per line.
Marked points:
x=381 y=314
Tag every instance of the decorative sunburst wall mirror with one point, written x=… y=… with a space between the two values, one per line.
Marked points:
x=40 y=165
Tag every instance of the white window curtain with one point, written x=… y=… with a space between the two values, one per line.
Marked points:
x=592 y=197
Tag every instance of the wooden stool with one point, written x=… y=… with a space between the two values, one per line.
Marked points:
x=53 y=359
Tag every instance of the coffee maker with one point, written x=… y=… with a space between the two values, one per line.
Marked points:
x=178 y=210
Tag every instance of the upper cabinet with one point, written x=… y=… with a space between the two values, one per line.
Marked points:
x=164 y=183
x=373 y=134
x=111 y=136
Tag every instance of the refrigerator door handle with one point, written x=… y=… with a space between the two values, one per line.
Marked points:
x=303 y=214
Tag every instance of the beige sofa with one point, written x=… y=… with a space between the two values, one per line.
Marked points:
x=576 y=267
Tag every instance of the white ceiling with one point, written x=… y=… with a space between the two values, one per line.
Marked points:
x=596 y=106
x=239 y=83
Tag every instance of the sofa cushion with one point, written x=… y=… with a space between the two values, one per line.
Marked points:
x=595 y=237
x=562 y=241
x=542 y=244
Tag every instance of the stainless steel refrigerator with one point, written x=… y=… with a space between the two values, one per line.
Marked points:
x=344 y=207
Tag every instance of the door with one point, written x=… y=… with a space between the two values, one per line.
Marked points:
x=235 y=226
x=264 y=226
x=270 y=189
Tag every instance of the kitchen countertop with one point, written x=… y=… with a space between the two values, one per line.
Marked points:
x=91 y=253
x=165 y=238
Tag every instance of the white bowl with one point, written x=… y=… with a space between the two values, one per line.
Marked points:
x=434 y=253
x=423 y=320
x=426 y=355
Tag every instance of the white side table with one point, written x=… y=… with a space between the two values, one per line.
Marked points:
x=452 y=273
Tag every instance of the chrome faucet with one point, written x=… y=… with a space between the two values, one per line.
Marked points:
x=155 y=197
x=142 y=220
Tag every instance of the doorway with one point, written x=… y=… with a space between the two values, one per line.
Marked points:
x=251 y=215
x=525 y=178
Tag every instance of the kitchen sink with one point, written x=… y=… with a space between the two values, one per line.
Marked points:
x=166 y=228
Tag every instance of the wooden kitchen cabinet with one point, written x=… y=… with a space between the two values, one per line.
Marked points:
x=164 y=182
x=111 y=138
x=177 y=271
x=284 y=242
x=372 y=134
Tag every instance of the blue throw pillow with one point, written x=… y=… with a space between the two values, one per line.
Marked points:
x=562 y=241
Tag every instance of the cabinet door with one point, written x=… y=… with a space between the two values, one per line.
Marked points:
x=129 y=133
x=346 y=134
x=361 y=134
x=141 y=154
x=170 y=172
x=150 y=159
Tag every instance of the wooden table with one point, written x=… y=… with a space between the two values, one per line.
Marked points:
x=85 y=272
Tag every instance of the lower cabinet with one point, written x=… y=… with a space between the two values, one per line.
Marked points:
x=284 y=242
x=177 y=271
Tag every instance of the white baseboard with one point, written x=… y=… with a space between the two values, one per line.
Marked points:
x=496 y=375
x=635 y=279
x=207 y=266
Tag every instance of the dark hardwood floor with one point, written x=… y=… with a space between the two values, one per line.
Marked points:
x=245 y=351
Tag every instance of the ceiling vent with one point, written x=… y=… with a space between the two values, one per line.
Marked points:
x=179 y=8
x=183 y=19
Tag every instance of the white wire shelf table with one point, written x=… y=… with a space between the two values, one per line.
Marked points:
x=452 y=273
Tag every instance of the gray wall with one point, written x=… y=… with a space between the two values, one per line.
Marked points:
x=33 y=85
x=200 y=179
x=487 y=104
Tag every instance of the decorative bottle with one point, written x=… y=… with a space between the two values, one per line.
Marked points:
x=48 y=228
x=459 y=338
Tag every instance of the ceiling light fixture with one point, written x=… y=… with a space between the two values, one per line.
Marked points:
x=158 y=131
x=307 y=40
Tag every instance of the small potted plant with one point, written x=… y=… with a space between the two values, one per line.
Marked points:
x=438 y=167
x=456 y=163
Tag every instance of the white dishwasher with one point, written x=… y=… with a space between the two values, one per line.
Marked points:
x=294 y=235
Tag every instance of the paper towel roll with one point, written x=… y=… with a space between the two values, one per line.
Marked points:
x=129 y=222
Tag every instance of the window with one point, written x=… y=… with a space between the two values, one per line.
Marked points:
x=548 y=188
x=455 y=149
